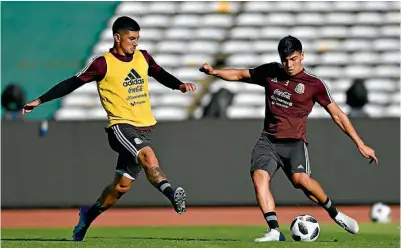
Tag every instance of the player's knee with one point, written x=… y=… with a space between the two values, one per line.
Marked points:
x=147 y=157
x=260 y=180
x=121 y=189
x=301 y=180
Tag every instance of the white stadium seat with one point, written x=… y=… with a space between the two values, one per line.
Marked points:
x=206 y=47
x=244 y=33
x=179 y=33
x=310 y=19
x=249 y=99
x=386 y=44
x=232 y=46
x=216 y=20
x=378 y=98
x=71 y=114
x=172 y=47
x=162 y=7
x=250 y=19
x=237 y=112
x=210 y=33
x=167 y=59
x=170 y=113
x=380 y=84
x=364 y=58
x=284 y=19
x=129 y=8
x=96 y=114
x=243 y=60
x=155 y=21
x=337 y=18
x=258 y=6
x=358 y=71
x=186 y=20
x=363 y=31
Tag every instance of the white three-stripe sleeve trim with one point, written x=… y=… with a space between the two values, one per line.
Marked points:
x=86 y=67
x=121 y=138
x=324 y=84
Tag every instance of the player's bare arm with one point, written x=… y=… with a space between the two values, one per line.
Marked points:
x=242 y=75
x=342 y=120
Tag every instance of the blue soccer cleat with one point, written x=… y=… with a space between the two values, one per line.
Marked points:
x=82 y=227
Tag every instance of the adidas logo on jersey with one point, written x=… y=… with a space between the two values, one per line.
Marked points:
x=133 y=78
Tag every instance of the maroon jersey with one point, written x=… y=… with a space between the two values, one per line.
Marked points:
x=289 y=100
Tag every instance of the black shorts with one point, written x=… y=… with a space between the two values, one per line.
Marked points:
x=127 y=142
x=270 y=154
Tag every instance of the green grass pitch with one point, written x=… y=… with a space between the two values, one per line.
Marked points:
x=371 y=235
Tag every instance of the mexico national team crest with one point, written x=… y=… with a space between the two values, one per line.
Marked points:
x=300 y=88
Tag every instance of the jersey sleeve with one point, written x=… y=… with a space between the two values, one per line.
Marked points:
x=322 y=94
x=95 y=70
x=260 y=73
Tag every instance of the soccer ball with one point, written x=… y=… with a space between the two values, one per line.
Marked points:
x=305 y=228
x=380 y=213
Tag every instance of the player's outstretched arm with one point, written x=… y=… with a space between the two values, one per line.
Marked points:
x=59 y=90
x=342 y=120
x=242 y=75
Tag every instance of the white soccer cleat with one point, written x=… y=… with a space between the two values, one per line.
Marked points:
x=272 y=235
x=346 y=222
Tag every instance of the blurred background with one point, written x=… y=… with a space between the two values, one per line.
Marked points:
x=59 y=154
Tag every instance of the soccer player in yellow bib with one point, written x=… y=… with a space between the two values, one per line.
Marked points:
x=122 y=81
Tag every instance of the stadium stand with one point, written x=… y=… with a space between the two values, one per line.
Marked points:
x=342 y=41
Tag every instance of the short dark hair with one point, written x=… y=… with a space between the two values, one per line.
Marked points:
x=288 y=45
x=125 y=23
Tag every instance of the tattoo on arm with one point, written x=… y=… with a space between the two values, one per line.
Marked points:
x=155 y=175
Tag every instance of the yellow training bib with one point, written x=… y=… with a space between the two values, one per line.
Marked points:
x=124 y=91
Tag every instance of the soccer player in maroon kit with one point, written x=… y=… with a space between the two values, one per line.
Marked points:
x=291 y=91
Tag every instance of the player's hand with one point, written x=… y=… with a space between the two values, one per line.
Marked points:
x=28 y=108
x=369 y=153
x=187 y=87
x=207 y=69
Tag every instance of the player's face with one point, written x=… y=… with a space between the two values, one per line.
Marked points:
x=293 y=63
x=128 y=41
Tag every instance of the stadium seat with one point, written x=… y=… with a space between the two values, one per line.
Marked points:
x=240 y=60
x=369 y=18
x=250 y=20
x=393 y=111
x=151 y=34
x=158 y=21
x=374 y=111
x=273 y=32
x=233 y=46
x=318 y=6
x=196 y=59
x=88 y=88
x=333 y=32
x=387 y=71
x=175 y=99
x=96 y=114
x=71 y=114
x=334 y=58
x=244 y=33
x=170 y=113
x=203 y=47
x=386 y=45
x=216 y=20
x=172 y=47
x=189 y=74
x=256 y=6
x=253 y=89
x=162 y=7
x=375 y=6
x=249 y=99
x=390 y=31
x=339 y=18
x=179 y=33
x=131 y=8
x=378 y=98
x=167 y=59
x=288 y=6
x=346 y=6
x=327 y=71
x=364 y=58
x=280 y=19
x=358 y=71
x=186 y=20
x=305 y=32
x=210 y=33
x=392 y=17
x=381 y=84
x=352 y=45
x=269 y=58
x=363 y=31
x=389 y=58
x=234 y=112
x=231 y=86
x=310 y=19
x=261 y=46
x=76 y=101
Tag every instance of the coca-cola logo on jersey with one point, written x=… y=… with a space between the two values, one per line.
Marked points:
x=283 y=94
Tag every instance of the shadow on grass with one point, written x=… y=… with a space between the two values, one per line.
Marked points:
x=171 y=239
x=36 y=239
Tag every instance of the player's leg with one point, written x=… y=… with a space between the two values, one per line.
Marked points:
x=301 y=179
x=263 y=167
x=109 y=197
x=138 y=143
x=148 y=160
